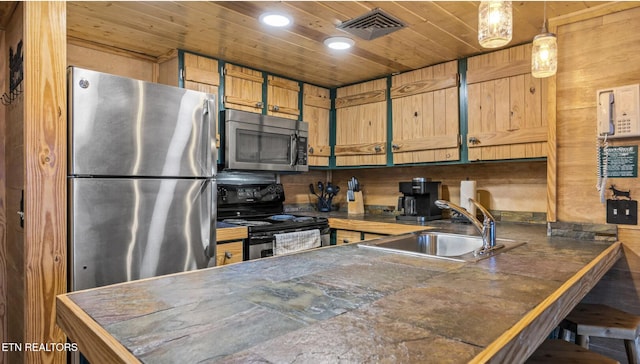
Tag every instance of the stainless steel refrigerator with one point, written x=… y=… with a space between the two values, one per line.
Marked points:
x=142 y=189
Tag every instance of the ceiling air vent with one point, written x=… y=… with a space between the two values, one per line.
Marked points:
x=372 y=25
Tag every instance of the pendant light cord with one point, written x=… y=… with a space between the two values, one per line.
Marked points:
x=544 y=18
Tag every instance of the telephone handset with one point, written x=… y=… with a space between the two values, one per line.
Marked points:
x=618 y=117
x=606 y=110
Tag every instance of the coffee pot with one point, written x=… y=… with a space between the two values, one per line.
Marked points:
x=408 y=205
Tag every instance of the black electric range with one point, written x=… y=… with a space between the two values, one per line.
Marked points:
x=260 y=208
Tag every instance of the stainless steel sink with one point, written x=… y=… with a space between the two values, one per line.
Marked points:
x=463 y=248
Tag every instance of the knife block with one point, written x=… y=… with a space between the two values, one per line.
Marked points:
x=356 y=207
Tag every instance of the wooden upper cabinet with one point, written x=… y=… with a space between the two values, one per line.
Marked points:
x=361 y=124
x=243 y=88
x=282 y=97
x=507 y=107
x=426 y=125
x=201 y=73
x=316 y=108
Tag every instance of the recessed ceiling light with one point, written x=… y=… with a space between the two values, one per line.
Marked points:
x=339 y=43
x=275 y=19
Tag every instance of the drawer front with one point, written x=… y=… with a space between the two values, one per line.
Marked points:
x=229 y=253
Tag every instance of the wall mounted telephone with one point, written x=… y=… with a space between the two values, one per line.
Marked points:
x=618 y=111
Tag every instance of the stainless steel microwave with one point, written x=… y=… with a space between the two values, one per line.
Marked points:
x=264 y=143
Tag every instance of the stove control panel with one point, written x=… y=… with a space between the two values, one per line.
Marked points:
x=234 y=194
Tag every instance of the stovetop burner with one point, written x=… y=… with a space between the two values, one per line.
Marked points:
x=243 y=222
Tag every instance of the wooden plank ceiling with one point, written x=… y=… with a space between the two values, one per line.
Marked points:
x=436 y=32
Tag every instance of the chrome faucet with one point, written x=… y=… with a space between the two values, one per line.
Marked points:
x=487 y=227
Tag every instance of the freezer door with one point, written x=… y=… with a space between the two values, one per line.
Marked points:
x=127 y=229
x=125 y=127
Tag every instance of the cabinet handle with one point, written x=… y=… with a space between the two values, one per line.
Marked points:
x=345 y=241
x=228 y=255
x=395 y=146
x=377 y=148
x=275 y=108
x=259 y=105
x=310 y=150
x=474 y=140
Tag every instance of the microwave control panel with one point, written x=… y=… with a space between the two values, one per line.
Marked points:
x=302 y=151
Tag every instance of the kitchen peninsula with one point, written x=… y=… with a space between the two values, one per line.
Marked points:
x=344 y=303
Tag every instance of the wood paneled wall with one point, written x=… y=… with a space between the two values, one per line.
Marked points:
x=35 y=134
x=86 y=55
x=507 y=186
x=596 y=50
x=45 y=130
x=594 y=54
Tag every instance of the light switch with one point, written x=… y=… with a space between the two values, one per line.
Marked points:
x=624 y=212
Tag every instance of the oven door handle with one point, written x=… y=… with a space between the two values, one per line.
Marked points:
x=294 y=149
x=256 y=236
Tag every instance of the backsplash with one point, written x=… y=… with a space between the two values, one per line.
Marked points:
x=506 y=216
x=584 y=231
x=513 y=191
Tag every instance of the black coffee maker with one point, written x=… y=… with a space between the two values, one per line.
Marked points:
x=418 y=200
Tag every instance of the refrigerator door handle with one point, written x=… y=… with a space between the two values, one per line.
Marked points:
x=209 y=114
x=207 y=136
x=210 y=249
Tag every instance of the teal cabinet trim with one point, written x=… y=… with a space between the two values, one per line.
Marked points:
x=301 y=100
x=265 y=92
x=389 y=122
x=332 y=127
x=464 y=115
x=221 y=124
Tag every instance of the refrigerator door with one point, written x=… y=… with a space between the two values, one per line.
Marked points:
x=127 y=229
x=125 y=127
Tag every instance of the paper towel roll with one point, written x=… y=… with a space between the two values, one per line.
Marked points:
x=467 y=191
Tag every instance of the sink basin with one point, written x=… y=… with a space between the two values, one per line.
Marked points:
x=448 y=246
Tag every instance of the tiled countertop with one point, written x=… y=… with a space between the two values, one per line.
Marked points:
x=344 y=304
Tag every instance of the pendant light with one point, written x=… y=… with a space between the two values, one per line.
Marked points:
x=494 y=23
x=544 y=55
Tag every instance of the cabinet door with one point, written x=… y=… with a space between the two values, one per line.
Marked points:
x=506 y=106
x=426 y=126
x=242 y=88
x=316 y=108
x=282 y=97
x=229 y=253
x=361 y=124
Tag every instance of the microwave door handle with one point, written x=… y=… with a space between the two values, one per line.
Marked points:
x=294 y=150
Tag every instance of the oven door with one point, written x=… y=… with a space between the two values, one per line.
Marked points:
x=258 y=142
x=260 y=245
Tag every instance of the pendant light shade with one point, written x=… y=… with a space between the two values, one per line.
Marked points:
x=544 y=55
x=494 y=23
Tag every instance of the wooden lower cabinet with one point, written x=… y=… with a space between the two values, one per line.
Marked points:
x=350 y=237
x=228 y=253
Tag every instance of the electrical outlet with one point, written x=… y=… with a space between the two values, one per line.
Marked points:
x=623 y=212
